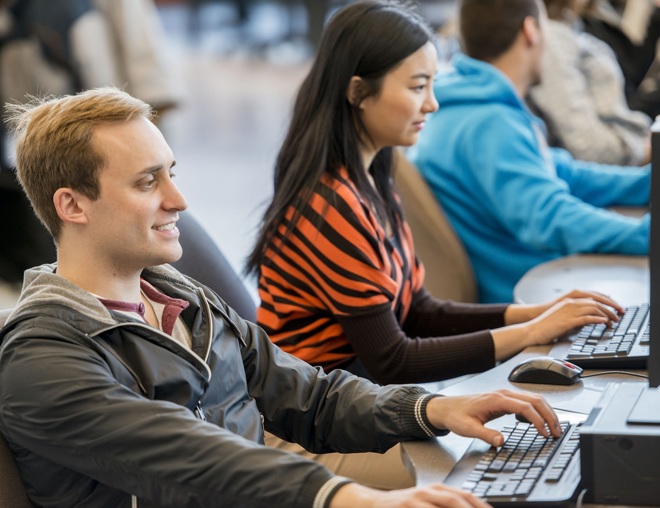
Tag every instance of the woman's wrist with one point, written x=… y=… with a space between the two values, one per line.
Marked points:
x=517 y=313
x=512 y=339
x=513 y=314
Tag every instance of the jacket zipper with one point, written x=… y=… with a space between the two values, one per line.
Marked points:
x=199 y=411
x=209 y=341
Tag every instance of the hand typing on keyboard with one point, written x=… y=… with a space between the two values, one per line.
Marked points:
x=530 y=325
x=617 y=340
x=466 y=415
x=525 y=458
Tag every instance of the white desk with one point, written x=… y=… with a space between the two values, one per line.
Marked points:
x=625 y=278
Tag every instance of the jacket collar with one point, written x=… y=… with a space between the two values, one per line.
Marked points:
x=41 y=285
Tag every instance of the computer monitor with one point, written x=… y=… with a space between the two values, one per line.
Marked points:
x=653 y=362
x=646 y=409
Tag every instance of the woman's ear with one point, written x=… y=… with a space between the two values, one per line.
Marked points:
x=69 y=205
x=355 y=92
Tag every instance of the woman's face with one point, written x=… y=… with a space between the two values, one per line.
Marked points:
x=396 y=114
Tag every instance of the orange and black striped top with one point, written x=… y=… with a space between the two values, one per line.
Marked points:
x=338 y=267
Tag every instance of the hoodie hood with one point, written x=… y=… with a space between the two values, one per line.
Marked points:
x=470 y=81
x=42 y=286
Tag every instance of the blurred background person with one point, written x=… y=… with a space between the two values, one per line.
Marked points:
x=632 y=29
x=513 y=201
x=582 y=95
x=63 y=46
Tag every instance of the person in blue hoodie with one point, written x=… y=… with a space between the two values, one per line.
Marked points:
x=514 y=202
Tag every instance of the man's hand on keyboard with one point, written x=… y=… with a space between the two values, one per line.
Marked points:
x=466 y=415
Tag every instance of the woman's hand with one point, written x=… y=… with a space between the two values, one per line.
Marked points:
x=566 y=315
x=531 y=325
x=521 y=313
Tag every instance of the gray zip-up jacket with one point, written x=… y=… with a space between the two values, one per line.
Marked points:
x=103 y=410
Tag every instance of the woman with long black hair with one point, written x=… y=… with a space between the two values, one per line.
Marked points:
x=339 y=282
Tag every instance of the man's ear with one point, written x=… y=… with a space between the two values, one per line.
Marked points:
x=70 y=205
x=531 y=30
x=355 y=92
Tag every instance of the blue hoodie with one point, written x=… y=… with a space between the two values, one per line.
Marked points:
x=514 y=202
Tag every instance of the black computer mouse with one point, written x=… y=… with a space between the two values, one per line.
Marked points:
x=546 y=370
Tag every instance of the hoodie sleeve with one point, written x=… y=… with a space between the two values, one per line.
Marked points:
x=604 y=185
x=539 y=203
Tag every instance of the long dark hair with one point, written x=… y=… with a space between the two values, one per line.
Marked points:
x=365 y=39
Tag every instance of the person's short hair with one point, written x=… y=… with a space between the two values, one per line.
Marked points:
x=558 y=9
x=55 y=148
x=488 y=28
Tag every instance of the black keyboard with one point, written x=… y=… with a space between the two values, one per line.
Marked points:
x=528 y=470
x=623 y=345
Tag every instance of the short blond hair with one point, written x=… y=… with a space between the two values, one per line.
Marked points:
x=54 y=146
